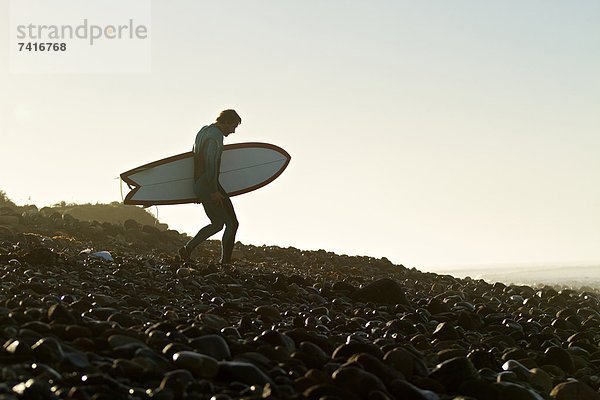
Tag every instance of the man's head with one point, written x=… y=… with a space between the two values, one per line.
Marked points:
x=227 y=121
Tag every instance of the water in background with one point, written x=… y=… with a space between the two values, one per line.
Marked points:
x=586 y=277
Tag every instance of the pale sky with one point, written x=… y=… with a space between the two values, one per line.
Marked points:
x=433 y=133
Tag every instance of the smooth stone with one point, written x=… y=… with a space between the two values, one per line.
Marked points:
x=253 y=357
x=357 y=380
x=318 y=311
x=384 y=290
x=405 y=390
x=43 y=371
x=514 y=354
x=512 y=391
x=512 y=325
x=212 y=345
x=184 y=272
x=508 y=376
x=421 y=342
x=435 y=306
x=347 y=350
x=376 y=367
x=231 y=331
x=37 y=326
x=554 y=371
x=58 y=312
x=73 y=332
x=269 y=312
x=328 y=391
x=123 y=319
x=243 y=372
x=405 y=362
x=446 y=331
x=149 y=356
x=451 y=353
x=469 y=321
x=540 y=380
x=122 y=340
x=452 y=373
x=213 y=321
x=276 y=338
x=574 y=390
x=311 y=355
x=177 y=381
x=300 y=335
x=342 y=286
x=404 y=326
x=479 y=389
x=76 y=360
x=518 y=369
x=128 y=369
x=47 y=350
x=200 y=365
x=559 y=357
x=106 y=301
x=33 y=389
x=579 y=362
x=378 y=395
x=173 y=348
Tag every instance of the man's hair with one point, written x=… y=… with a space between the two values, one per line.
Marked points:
x=229 y=117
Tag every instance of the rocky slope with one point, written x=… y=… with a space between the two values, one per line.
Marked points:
x=277 y=324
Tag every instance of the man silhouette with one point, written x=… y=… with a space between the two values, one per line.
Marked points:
x=208 y=148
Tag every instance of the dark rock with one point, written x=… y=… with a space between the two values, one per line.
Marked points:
x=311 y=355
x=212 y=345
x=47 y=350
x=269 y=312
x=346 y=350
x=451 y=353
x=200 y=365
x=559 y=357
x=177 y=381
x=123 y=319
x=405 y=362
x=518 y=369
x=406 y=391
x=243 y=372
x=275 y=338
x=131 y=224
x=454 y=372
x=540 y=380
x=480 y=389
x=357 y=380
x=511 y=391
x=128 y=369
x=384 y=290
x=34 y=389
x=574 y=390
x=446 y=331
x=328 y=391
x=58 y=312
x=40 y=255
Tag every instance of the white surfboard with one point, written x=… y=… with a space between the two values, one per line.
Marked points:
x=244 y=167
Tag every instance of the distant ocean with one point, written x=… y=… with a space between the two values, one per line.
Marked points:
x=586 y=277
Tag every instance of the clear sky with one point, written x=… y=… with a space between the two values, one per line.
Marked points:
x=433 y=133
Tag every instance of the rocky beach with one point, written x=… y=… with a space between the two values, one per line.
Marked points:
x=93 y=310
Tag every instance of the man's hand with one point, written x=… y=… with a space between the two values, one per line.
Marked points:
x=217 y=197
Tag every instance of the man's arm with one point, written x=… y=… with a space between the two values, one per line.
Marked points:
x=211 y=169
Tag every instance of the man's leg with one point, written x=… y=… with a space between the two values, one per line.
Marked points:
x=231 y=227
x=214 y=213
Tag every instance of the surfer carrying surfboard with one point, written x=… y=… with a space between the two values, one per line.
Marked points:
x=207 y=150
